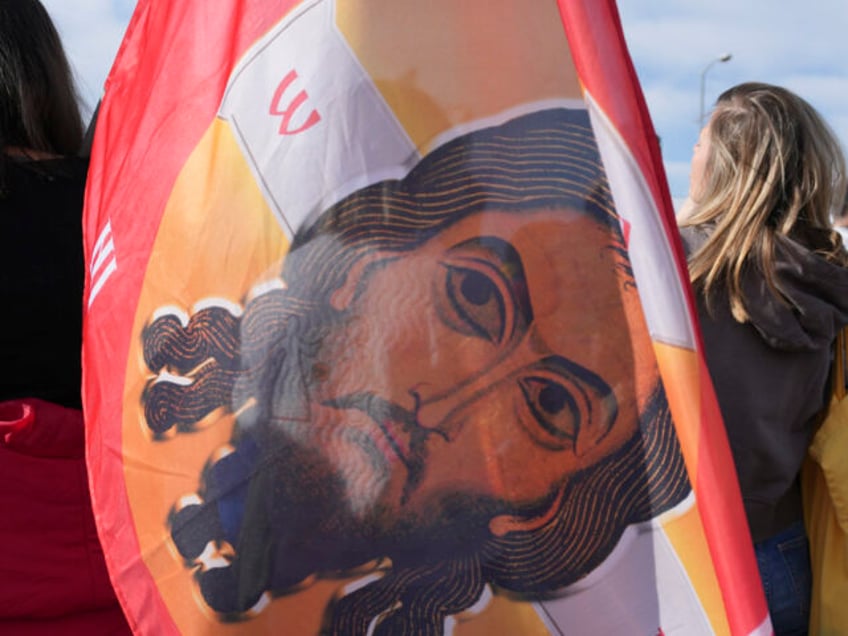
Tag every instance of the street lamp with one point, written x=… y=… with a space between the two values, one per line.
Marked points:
x=724 y=58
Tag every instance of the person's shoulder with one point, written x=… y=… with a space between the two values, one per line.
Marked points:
x=41 y=189
x=71 y=168
x=42 y=176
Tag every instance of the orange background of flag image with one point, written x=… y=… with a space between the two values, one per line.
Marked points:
x=244 y=181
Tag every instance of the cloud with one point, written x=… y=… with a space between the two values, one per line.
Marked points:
x=800 y=45
x=678 y=170
x=765 y=35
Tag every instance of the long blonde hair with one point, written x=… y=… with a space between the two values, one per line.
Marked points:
x=774 y=168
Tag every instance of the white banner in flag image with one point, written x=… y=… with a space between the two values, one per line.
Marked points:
x=309 y=120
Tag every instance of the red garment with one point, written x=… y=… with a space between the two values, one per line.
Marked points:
x=53 y=578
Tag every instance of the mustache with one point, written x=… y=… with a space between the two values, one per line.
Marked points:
x=381 y=410
x=377 y=409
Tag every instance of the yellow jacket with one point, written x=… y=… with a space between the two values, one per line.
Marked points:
x=825 y=493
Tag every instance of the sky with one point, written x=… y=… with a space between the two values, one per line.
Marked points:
x=674 y=44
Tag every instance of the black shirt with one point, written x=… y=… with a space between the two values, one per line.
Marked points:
x=41 y=279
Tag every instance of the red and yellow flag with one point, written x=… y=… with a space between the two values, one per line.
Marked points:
x=388 y=331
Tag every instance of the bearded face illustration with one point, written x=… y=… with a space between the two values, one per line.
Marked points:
x=425 y=396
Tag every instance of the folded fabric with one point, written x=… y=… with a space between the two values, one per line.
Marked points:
x=825 y=497
x=53 y=577
x=829 y=449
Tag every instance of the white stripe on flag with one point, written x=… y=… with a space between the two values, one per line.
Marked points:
x=663 y=296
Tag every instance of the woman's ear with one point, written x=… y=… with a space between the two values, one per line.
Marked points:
x=342 y=297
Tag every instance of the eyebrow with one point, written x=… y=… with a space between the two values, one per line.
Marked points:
x=621 y=256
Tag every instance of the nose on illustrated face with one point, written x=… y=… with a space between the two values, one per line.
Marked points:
x=558 y=403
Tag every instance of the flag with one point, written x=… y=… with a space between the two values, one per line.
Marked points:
x=388 y=331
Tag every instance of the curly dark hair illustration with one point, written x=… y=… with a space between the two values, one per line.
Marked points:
x=269 y=514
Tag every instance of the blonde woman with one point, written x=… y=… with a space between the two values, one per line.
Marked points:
x=771 y=286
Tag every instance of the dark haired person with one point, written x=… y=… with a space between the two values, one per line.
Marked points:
x=52 y=574
x=425 y=399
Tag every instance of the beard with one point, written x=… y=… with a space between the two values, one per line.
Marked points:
x=307 y=511
x=301 y=507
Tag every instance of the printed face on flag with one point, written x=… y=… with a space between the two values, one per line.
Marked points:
x=412 y=389
x=454 y=360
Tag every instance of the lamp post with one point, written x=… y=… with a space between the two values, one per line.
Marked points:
x=724 y=58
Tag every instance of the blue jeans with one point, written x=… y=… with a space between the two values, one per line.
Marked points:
x=784 y=562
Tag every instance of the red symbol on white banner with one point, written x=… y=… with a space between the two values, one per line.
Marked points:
x=625 y=230
x=103 y=261
x=289 y=110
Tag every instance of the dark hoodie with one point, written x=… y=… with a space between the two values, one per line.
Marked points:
x=771 y=373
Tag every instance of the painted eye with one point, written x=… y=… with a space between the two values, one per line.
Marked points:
x=554 y=409
x=477 y=303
